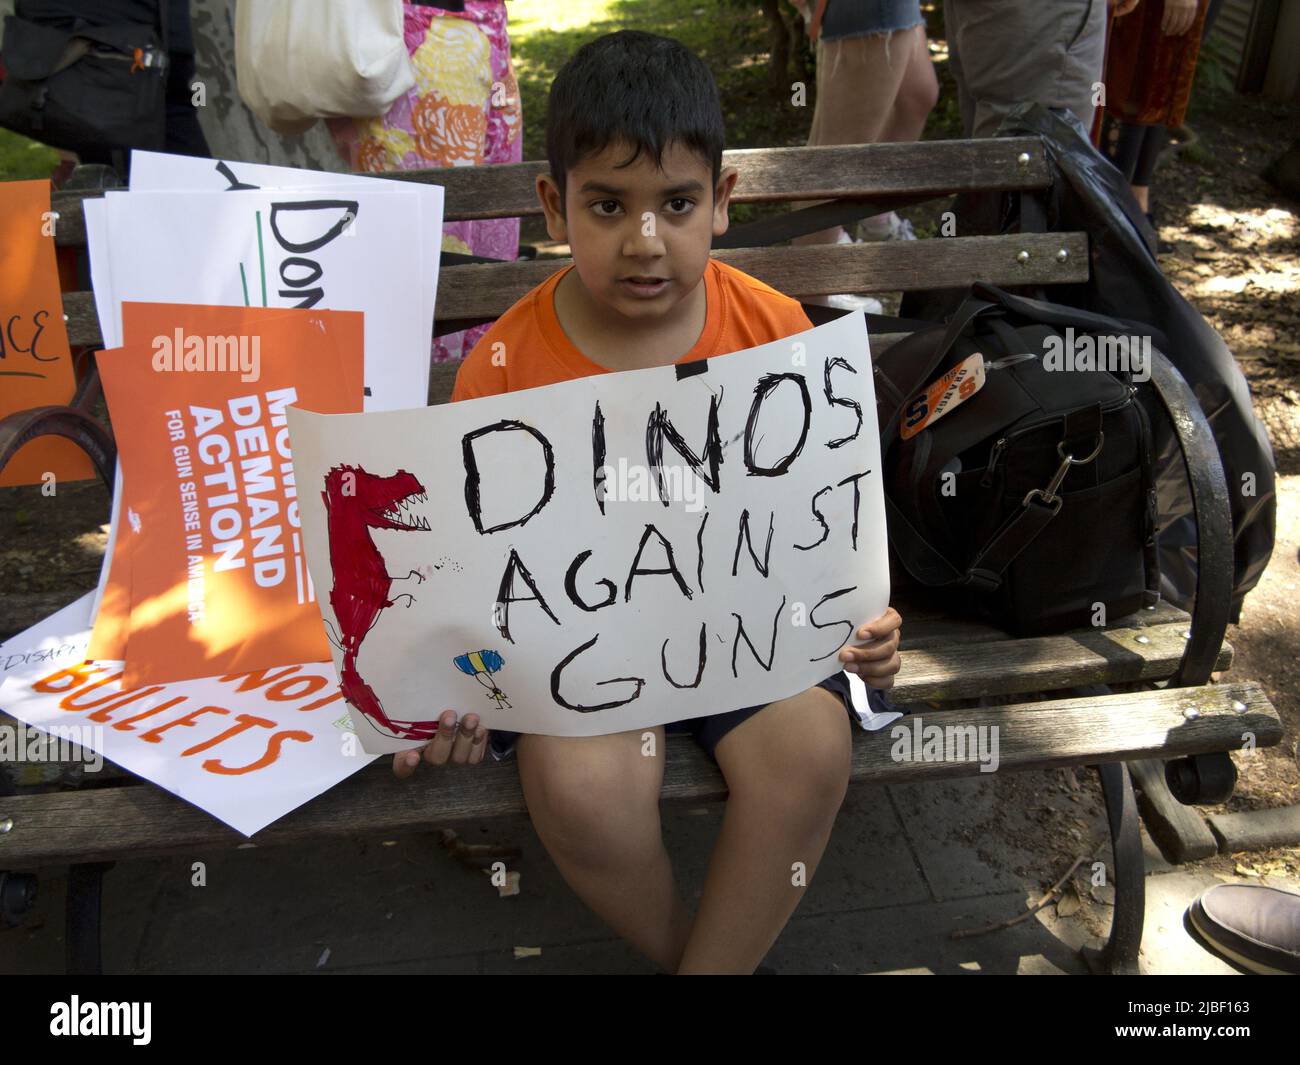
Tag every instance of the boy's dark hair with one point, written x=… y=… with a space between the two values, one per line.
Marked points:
x=636 y=87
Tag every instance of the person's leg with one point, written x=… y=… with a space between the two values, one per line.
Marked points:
x=787 y=769
x=918 y=92
x=918 y=89
x=1154 y=140
x=953 y=14
x=1122 y=142
x=594 y=802
x=857 y=81
x=1048 y=52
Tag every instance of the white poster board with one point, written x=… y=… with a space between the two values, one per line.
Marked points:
x=159 y=171
x=271 y=248
x=476 y=558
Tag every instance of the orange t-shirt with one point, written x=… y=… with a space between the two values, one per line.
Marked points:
x=741 y=312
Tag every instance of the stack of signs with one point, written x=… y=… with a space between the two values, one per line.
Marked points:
x=226 y=293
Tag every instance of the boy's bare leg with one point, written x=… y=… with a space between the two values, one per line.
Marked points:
x=594 y=802
x=787 y=768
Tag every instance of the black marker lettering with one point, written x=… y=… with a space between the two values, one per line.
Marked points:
x=636 y=569
x=767 y=384
x=585 y=709
x=743 y=536
x=505 y=594
x=826 y=529
x=740 y=631
x=842 y=401
x=826 y=625
x=699 y=669
x=660 y=427
x=571 y=586
x=473 y=504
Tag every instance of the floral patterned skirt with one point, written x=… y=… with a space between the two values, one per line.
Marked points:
x=464 y=110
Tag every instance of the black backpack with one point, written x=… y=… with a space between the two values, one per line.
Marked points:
x=85 y=84
x=1034 y=500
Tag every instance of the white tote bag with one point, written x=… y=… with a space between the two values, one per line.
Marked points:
x=300 y=60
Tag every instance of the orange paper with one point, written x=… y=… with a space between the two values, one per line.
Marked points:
x=209 y=547
x=35 y=361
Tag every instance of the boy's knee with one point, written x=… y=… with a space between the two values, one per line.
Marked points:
x=812 y=777
x=593 y=807
x=820 y=779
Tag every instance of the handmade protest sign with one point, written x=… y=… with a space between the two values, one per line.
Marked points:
x=160 y=171
x=217 y=577
x=277 y=248
x=246 y=747
x=609 y=553
x=35 y=361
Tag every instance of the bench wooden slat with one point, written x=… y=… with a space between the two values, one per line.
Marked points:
x=922 y=630
x=851 y=171
x=143 y=821
x=1043 y=663
x=485 y=291
x=928 y=629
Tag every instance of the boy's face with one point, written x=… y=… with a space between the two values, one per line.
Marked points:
x=640 y=236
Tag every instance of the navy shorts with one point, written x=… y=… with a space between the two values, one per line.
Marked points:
x=708 y=731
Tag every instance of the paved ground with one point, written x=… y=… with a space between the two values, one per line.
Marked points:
x=898 y=877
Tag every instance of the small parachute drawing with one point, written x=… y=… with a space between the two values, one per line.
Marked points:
x=481 y=665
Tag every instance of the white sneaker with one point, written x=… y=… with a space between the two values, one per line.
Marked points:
x=845 y=301
x=894 y=227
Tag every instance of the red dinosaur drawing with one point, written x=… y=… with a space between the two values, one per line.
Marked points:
x=356 y=502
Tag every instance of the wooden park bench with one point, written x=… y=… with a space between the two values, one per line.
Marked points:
x=1123 y=698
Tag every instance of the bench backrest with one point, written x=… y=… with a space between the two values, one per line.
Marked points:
x=877 y=176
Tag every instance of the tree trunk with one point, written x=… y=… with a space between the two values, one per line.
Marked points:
x=778 y=72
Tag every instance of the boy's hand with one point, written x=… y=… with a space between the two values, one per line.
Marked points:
x=876 y=660
x=463 y=745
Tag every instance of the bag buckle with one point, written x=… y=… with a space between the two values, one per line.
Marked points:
x=1049 y=495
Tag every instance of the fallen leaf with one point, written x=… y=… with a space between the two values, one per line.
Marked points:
x=527 y=952
x=1246 y=870
x=1069 y=903
x=324 y=957
x=1103 y=893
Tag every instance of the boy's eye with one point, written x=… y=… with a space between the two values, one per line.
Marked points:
x=613 y=204
x=686 y=204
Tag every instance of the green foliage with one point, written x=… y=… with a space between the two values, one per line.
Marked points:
x=22 y=159
x=1213 y=82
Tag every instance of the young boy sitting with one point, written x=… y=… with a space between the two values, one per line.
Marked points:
x=634 y=134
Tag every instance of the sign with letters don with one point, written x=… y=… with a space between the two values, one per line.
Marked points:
x=609 y=553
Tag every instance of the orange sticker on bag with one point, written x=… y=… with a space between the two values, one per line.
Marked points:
x=941 y=396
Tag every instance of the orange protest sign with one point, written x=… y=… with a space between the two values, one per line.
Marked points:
x=211 y=549
x=35 y=362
